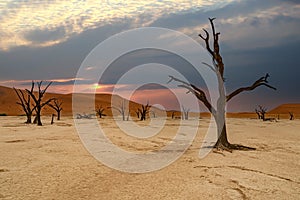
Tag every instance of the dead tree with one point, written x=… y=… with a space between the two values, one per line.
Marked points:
x=173 y=115
x=100 y=111
x=25 y=103
x=38 y=104
x=121 y=109
x=144 y=110
x=153 y=113
x=185 y=113
x=56 y=105
x=137 y=112
x=291 y=116
x=52 y=119
x=258 y=113
x=262 y=112
x=218 y=111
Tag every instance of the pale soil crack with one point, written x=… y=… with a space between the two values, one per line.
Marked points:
x=260 y=172
x=250 y=170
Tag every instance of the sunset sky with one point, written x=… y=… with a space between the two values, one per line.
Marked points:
x=48 y=40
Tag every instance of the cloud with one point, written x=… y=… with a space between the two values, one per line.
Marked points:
x=74 y=17
x=45 y=35
x=250 y=24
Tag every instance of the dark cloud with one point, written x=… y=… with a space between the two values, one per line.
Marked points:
x=45 y=35
x=195 y=18
x=136 y=58
x=244 y=67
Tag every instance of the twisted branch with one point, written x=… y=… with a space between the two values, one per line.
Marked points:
x=263 y=81
x=199 y=94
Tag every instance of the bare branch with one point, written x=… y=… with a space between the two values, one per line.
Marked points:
x=209 y=66
x=206 y=40
x=260 y=82
x=47 y=102
x=200 y=94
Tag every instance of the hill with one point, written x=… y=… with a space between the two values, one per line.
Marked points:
x=8 y=99
x=286 y=108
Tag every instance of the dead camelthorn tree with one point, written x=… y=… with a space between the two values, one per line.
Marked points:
x=291 y=115
x=153 y=113
x=185 y=113
x=52 y=119
x=25 y=103
x=144 y=110
x=137 y=112
x=57 y=106
x=262 y=112
x=173 y=115
x=100 y=111
x=258 y=113
x=38 y=103
x=218 y=111
x=122 y=110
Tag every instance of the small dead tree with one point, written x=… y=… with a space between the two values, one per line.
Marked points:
x=291 y=115
x=262 y=112
x=137 y=112
x=144 y=110
x=38 y=104
x=25 y=103
x=173 y=115
x=258 y=113
x=52 y=119
x=218 y=111
x=153 y=113
x=122 y=109
x=57 y=106
x=100 y=111
x=185 y=113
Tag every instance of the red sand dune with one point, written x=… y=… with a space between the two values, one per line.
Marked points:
x=8 y=99
x=286 y=108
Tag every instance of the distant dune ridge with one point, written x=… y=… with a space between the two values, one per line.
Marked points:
x=8 y=105
x=8 y=99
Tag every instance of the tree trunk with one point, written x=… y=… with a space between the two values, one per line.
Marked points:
x=58 y=115
x=222 y=142
x=38 y=117
x=35 y=120
x=28 y=119
x=52 y=119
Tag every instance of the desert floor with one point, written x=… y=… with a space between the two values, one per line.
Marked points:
x=50 y=162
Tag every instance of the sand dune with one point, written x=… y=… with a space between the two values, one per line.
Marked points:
x=286 y=108
x=8 y=100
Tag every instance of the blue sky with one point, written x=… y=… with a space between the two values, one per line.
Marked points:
x=48 y=40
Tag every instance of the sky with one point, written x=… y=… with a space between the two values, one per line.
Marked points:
x=49 y=40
